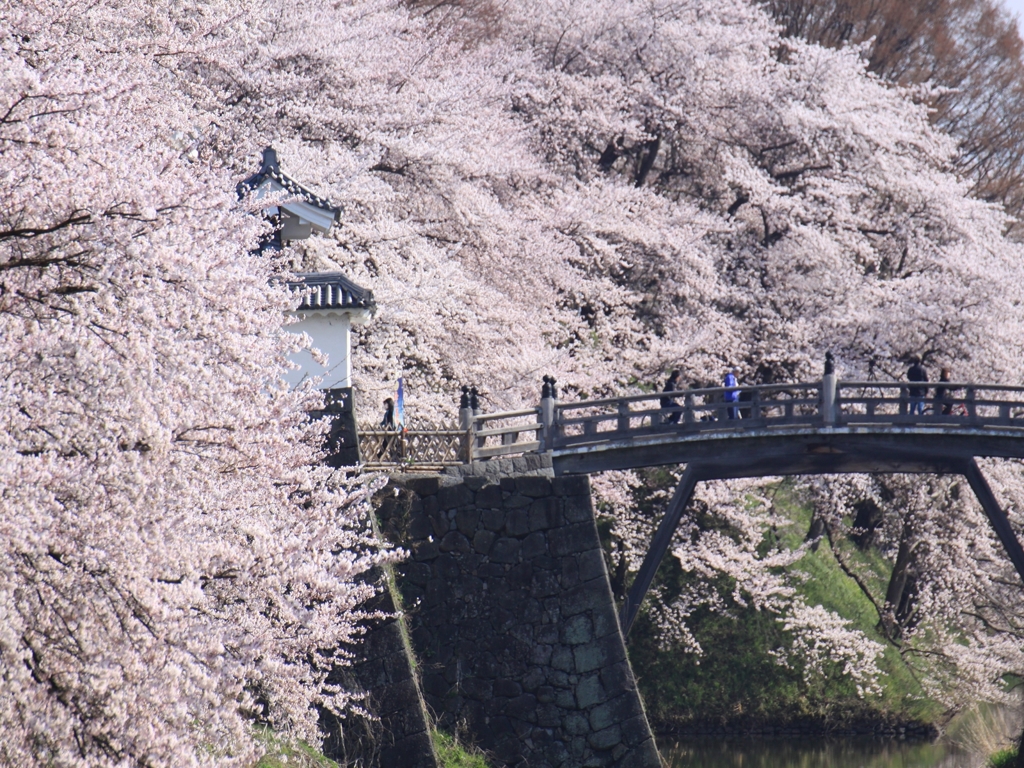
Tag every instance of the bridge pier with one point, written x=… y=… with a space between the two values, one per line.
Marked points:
x=512 y=619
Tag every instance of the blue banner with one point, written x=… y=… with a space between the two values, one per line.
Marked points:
x=400 y=400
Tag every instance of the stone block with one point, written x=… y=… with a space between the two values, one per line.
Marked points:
x=532 y=613
x=534 y=545
x=435 y=684
x=437 y=592
x=507 y=688
x=519 y=577
x=468 y=586
x=545 y=694
x=591 y=564
x=570 y=539
x=423 y=486
x=576 y=724
x=517 y=522
x=533 y=679
x=493 y=519
x=425 y=550
x=482 y=541
x=396 y=667
x=590 y=691
x=505 y=550
x=477 y=688
x=617 y=678
x=540 y=655
x=563 y=659
x=420 y=526
x=577 y=509
x=547 y=563
x=489 y=497
x=623 y=707
x=534 y=486
x=547 y=633
x=523 y=729
x=455 y=496
x=635 y=731
x=589 y=657
x=571 y=485
x=549 y=716
x=466 y=520
x=606 y=622
x=415 y=573
x=508 y=484
x=475 y=482
x=570 y=572
x=577 y=630
x=545 y=514
x=454 y=541
x=606 y=739
x=545 y=584
x=446 y=566
x=565 y=700
x=523 y=707
x=581 y=599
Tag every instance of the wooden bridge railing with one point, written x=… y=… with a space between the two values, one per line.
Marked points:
x=825 y=403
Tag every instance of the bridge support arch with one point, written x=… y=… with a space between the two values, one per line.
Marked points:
x=696 y=472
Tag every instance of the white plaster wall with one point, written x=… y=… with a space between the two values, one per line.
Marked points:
x=330 y=333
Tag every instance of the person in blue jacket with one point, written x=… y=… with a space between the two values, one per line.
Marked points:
x=733 y=396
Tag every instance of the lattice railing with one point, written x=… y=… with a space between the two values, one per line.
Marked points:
x=413 y=449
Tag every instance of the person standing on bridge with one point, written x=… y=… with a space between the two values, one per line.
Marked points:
x=943 y=395
x=917 y=394
x=387 y=423
x=731 y=395
x=669 y=403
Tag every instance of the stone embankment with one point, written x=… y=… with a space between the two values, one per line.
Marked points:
x=511 y=616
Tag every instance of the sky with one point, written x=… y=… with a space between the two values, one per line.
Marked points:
x=1016 y=7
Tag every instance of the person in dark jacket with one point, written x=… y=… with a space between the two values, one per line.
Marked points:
x=669 y=403
x=917 y=394
x=388 y=423
x=732 y=396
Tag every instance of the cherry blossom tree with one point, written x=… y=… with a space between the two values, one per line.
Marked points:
x=173 y=567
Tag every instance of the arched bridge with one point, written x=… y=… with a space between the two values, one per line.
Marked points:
x=824 y=427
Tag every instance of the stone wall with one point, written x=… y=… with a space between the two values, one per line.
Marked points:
x=512 y=618
x=398 y=733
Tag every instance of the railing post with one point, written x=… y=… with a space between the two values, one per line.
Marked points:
x=972 y=408
x=688 y=417
x=548 y=398
x=755 y=404
x=466 y=424
x=828 y=392
x=474 y=404
x=623 y=423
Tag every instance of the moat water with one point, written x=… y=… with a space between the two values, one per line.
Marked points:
x=800 y=752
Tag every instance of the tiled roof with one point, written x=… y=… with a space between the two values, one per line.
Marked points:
x=330 y=290
x=270 y=168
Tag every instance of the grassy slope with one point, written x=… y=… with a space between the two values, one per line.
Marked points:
x=738 y=680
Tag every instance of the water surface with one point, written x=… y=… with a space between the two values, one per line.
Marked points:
x=806 y=752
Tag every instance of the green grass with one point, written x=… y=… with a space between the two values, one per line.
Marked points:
x=1004 y=758
x=453 y=754
x=737 y=679
x=282 y=754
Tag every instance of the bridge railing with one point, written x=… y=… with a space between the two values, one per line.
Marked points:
x=413 y=449
x=962 y=404
x=505 y=433
x=691 y=410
